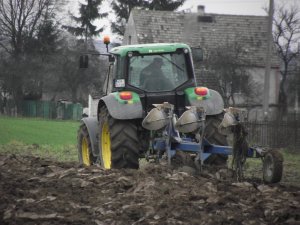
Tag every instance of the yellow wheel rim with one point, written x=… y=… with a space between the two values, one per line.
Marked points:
x=105 y=146
x=85 y=152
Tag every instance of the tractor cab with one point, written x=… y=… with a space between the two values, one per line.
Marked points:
x=156 y=72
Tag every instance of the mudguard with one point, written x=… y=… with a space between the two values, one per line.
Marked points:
x=92 y=126
x=213 y=104
x=122 y=109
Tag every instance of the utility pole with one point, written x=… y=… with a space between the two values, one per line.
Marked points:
x=268 y=61
x=89 y=5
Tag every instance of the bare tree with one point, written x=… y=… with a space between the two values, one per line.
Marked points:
x=228 y=62
x=286 y=34
x=20 y=23
x=20 y=19
x=67 y=76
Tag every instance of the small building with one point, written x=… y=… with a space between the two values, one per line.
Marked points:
x=209 y=31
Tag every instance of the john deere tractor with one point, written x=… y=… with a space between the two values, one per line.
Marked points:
x=153 y=108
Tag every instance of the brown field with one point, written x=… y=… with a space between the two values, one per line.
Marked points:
x=42 y=191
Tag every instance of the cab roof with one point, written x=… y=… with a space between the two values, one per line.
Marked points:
x=148 y=48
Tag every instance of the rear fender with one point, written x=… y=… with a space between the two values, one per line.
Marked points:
x=122 y=109
x=92 y=126
x=213 y=104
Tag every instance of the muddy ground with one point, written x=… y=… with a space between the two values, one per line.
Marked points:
x=42 y=191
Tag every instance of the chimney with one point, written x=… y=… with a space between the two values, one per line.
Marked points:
x=201 y=10
x=202 y=17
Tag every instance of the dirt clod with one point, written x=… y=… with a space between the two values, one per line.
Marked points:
x=40 y=191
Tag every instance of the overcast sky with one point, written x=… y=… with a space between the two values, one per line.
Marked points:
x=236 y=7
x=239 y=7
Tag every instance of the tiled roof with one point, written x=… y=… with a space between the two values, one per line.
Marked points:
x=162 y=26
x=207 y=32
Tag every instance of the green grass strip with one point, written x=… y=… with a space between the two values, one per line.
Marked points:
x=38 y=131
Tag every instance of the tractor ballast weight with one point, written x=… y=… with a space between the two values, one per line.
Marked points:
x=152 y=107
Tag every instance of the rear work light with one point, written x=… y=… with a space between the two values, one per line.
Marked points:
x=202 y=91
x=125 y=95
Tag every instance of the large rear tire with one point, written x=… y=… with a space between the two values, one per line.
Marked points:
x=84 y=147
x=213 y=135
x=118 y=142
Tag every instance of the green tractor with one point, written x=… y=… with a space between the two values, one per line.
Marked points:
x=116 y=138
x=153 y=108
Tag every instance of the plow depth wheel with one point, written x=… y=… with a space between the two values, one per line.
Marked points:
x=272 y=167
x=118 y=142
x=84 y=147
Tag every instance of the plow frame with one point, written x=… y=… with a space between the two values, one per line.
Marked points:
x=272 y=161
x=203 y=149
x=171 y=141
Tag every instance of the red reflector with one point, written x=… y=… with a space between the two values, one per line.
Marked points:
x=202 y=91
x=126 y=95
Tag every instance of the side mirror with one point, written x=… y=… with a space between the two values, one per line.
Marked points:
x=197 y=54
x=111 y=58
x=84 y=61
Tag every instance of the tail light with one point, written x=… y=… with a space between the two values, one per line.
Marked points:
x=125 y=95
x=201 y=91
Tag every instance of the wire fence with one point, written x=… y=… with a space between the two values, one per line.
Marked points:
x=275 y=134
x=45 y=109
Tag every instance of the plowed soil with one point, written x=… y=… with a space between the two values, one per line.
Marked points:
x=41 y=191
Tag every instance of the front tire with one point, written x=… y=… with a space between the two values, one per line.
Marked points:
x=118 y=142
x=84 y=147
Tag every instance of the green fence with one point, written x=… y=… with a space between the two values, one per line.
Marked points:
x=52 y=110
